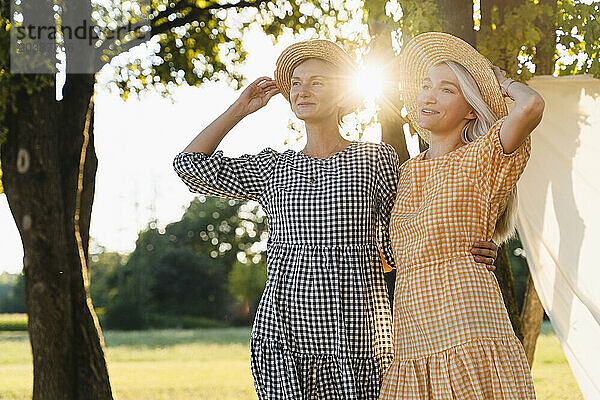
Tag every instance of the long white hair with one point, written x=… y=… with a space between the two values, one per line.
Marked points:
x=506 y=222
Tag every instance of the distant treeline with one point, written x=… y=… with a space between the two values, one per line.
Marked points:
x=208 y=269
x=12 y=293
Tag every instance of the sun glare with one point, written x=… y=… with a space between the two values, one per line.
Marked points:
x=368 y=82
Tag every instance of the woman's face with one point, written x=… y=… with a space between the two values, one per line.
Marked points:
x=441 y=105
x=315 y=92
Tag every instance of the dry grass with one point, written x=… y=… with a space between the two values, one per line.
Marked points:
x=214 y=364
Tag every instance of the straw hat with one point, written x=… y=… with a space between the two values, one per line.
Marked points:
x=322 y=49
x=430 y=48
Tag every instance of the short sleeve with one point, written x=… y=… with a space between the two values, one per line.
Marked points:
x=497 y=171
x=243 y=178
x=388 y=166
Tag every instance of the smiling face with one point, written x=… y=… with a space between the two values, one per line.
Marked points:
x=315 y=93
x=441 y=105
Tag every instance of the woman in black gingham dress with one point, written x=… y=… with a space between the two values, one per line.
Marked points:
x=323 y=325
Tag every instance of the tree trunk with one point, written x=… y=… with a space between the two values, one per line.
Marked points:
x=381 y=53
x=393 y=134
x=49 y=167
x=532 y=316
x=505 y=281
x=545 y=52
x=485 y=11
x=457 y=19
x=41 y=161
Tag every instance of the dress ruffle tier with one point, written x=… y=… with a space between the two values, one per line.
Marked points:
x=479 y=369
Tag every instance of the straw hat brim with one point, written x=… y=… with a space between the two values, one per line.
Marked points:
x=430 y=48
x=321 y=49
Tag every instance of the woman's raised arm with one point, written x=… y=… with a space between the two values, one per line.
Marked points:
x=524 y=117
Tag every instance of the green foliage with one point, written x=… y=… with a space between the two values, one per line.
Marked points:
x=578 y=24
x=220 y=228
x=103 y=272
x=513 y=33
x=184 y=270
x=7 y=281
x=519 y=32
x=197 y=42
x=418 y=16
x=247 y=282
x=187 y=284
x=123 y=313
x=12 y=293
x=13 y=322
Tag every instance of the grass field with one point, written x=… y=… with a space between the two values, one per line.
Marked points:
x=214 y=364
x=13 y=322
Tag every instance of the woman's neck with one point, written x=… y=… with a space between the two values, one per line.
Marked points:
x=323 y=139
x=441 y=144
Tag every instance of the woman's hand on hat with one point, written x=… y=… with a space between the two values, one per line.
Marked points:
x=255 y=96
x=502 y=79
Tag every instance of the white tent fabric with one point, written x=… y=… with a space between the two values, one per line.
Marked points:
x=559 y=219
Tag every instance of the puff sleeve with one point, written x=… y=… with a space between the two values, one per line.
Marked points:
x=243 y=178
x=498 y=172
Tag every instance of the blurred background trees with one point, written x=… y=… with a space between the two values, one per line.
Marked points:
x=12 y=293
x=206 y=269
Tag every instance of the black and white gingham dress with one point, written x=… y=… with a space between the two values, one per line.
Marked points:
x=323 y=325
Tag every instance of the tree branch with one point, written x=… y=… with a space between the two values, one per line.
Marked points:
x=193 y=15
x=197 y=12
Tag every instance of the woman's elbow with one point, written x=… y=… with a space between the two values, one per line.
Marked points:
x=529 y=112
x=535 y=107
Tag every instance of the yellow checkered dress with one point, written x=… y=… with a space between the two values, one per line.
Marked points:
x=452 y=335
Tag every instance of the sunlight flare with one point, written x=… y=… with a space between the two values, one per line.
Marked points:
x=368 y=81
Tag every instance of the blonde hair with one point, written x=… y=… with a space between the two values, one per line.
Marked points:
x=342 y=110
x=506 y=222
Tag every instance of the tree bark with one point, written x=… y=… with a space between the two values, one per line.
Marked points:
x=41 y=161
x=532 y=316
x=457 y=19
x=485 y=10
x=545 y=52
x=49 y=168
x=381 y=53
x=392 y=133
x=505 y=281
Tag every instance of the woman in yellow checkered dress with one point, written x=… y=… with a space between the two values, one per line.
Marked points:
x=452 y=335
